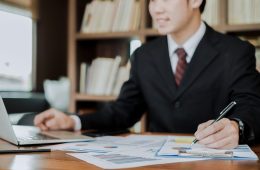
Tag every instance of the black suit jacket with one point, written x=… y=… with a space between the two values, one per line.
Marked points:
x=221 y=70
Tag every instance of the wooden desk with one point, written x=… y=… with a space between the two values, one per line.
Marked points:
x=59 y=160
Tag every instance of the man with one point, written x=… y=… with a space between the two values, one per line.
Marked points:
x=182 y=80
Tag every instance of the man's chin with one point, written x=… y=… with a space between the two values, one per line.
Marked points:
x=163 y=32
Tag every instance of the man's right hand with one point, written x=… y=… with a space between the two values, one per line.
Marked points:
x=53 y=119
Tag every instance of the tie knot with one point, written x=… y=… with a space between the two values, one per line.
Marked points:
x=181 y=53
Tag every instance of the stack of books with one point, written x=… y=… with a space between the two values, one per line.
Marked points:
x=103 y=77
x=111 y=16
x=243 y=11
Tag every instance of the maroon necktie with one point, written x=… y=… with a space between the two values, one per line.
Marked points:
x=181 y=65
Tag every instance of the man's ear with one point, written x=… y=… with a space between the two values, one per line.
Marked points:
x=195 y=3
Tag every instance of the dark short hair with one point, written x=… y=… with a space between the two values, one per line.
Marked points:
x=202 y=6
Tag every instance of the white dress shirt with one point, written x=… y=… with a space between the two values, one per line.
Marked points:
x=189 y=46
x=77 y=122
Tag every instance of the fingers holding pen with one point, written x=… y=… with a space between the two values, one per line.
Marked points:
x=221 y=134
x=229 y=137
x=204 y=125
x=208 y=130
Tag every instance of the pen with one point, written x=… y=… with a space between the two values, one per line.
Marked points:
x=221 y=115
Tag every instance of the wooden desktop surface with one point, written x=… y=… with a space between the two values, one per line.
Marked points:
x=61 y=161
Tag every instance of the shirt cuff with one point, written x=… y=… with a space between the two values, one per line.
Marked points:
x=77 y=122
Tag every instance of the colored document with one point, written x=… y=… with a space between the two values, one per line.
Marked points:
x=176 y=147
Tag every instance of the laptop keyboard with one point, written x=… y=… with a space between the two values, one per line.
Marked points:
x=37 y=136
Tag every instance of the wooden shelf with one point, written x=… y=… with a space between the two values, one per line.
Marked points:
x=107 y=35
x=154 y=32
x=221 y=28
x=86 y=97
x=131 y=34
x=151 y=32
x=242 y=27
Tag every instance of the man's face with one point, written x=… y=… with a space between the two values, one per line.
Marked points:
x=170 y=16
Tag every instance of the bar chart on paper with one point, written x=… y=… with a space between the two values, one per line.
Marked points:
x=122 y=159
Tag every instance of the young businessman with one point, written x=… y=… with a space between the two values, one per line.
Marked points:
x=182 y=80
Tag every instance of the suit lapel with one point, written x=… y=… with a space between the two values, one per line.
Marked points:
x=163 y=65
x=202 y=57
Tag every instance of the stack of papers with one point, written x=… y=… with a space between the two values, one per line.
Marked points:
x=143 y=150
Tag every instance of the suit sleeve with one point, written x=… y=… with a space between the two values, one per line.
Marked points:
x=125 y=111
x=245 y=89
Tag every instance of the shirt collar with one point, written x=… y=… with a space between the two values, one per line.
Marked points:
x=190 y=45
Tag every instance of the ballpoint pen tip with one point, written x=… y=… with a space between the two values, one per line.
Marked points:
x=192 y=144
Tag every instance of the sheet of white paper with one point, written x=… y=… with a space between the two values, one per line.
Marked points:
x=126 y=160
x=134 y=140
x=110 y=144
x=97 y=146
x=244 y=152
x=174 y=148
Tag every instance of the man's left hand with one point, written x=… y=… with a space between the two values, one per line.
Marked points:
x=223 y=134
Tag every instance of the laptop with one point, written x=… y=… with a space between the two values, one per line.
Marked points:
x=30 y=135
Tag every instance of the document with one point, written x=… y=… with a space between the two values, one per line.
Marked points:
x=100 y=145
x=140 y=150
x=174 y=147
x=108 y=144
x=125 y=160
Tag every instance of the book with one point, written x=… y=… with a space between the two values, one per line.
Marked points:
x=211 y=12
x=135 y=22
x=123 y=75
x=103 y=76
x=83 y=77
x=86 y=18
x=112 y=76
x=100 y=75
x=257 y=54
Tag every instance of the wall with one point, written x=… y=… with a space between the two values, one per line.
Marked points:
x=51 y=60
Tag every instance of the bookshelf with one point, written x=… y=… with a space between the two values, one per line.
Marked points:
x=85 y=97
x=84 y=47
